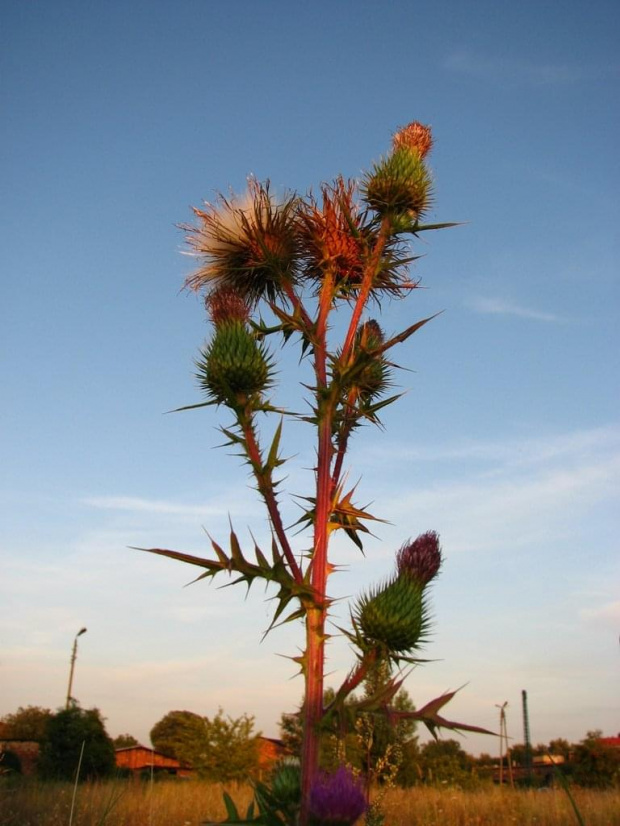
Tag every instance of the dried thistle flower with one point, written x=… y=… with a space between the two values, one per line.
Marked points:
x=336 y=799
x=247 y=243
x=415 y=137
x=421 y=559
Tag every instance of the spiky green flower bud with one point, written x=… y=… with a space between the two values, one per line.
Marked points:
x=399 y=184
x=286 y=783
x=234 y=366
x=374 y=377
x=393 y=616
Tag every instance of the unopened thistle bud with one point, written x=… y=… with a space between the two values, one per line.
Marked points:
x=394 y=616
x=415 y=137
x=234 y=366
x=375 y=375
x=399 y=184
x=286 y=783
x=336 y=799
x=421 y=559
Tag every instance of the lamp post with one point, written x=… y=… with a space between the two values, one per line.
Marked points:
x=73 y=658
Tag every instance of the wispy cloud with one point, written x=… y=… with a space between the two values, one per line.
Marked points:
x=506 y=70
x=607 y=614
x=511 y=494
x=500 y=306
x=573 y=445
x=136 y=505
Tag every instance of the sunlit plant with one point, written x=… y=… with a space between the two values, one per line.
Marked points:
x=275 y=272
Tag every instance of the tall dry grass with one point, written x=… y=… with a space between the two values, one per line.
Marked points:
x=127 y=803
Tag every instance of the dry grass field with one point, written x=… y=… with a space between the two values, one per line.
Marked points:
x=125 y=803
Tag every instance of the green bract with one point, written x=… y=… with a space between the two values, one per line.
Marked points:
x=234 y=365
x=399 y=184
x=394 y=616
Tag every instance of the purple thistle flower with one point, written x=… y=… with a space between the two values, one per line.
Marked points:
x=336 y=799
x=420 y=559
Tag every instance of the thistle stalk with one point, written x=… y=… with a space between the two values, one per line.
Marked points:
x=316 y=615
x=264 y=483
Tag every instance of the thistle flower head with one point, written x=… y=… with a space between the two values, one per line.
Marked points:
x=336 y=799
x=414 y=137
x=247 y=243
x=421 y=559
x=225 y=305
x=331 y=234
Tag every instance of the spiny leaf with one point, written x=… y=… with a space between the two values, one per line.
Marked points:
x=398 y=339
x=273 y=460
x=191 y=407
x=433 y=720
x=425 y=227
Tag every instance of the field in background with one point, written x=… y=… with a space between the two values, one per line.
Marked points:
x=175 y=803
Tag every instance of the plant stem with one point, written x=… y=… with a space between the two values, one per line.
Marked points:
x=316 y=613
x=370 y=272
x=265 y=487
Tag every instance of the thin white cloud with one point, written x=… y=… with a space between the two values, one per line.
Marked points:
x=502 y=69
x=607 y=614
x=573 y=445
x=137 y=505
x=483 y=513
x=499 y=306
x=503 y=495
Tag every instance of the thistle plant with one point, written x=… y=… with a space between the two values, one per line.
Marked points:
x=276 y=272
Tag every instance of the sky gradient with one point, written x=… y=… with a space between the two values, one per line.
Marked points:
x=117 y=118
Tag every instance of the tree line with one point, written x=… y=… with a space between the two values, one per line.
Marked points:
x=223 y=748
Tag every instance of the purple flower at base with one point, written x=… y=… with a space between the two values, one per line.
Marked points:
x=420 y=559
x=336 y=799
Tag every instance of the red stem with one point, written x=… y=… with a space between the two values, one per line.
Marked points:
x=367 y=281
x=266 y=490
x=316 y=615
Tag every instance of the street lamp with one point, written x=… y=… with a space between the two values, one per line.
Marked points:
x=73 y=658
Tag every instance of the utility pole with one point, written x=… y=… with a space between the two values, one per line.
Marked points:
x=503 y=741
x=527 y=742
x=72 y=669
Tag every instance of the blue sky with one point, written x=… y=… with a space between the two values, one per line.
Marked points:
x=117 y=118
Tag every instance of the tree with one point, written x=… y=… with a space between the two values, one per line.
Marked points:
x=27 y=723
x=66 y=732
x=218 y=749
x=595 y=763
x=446 y=762
x=560 y=747
x=172 y=734
x=283 y=271
x=123 y=741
